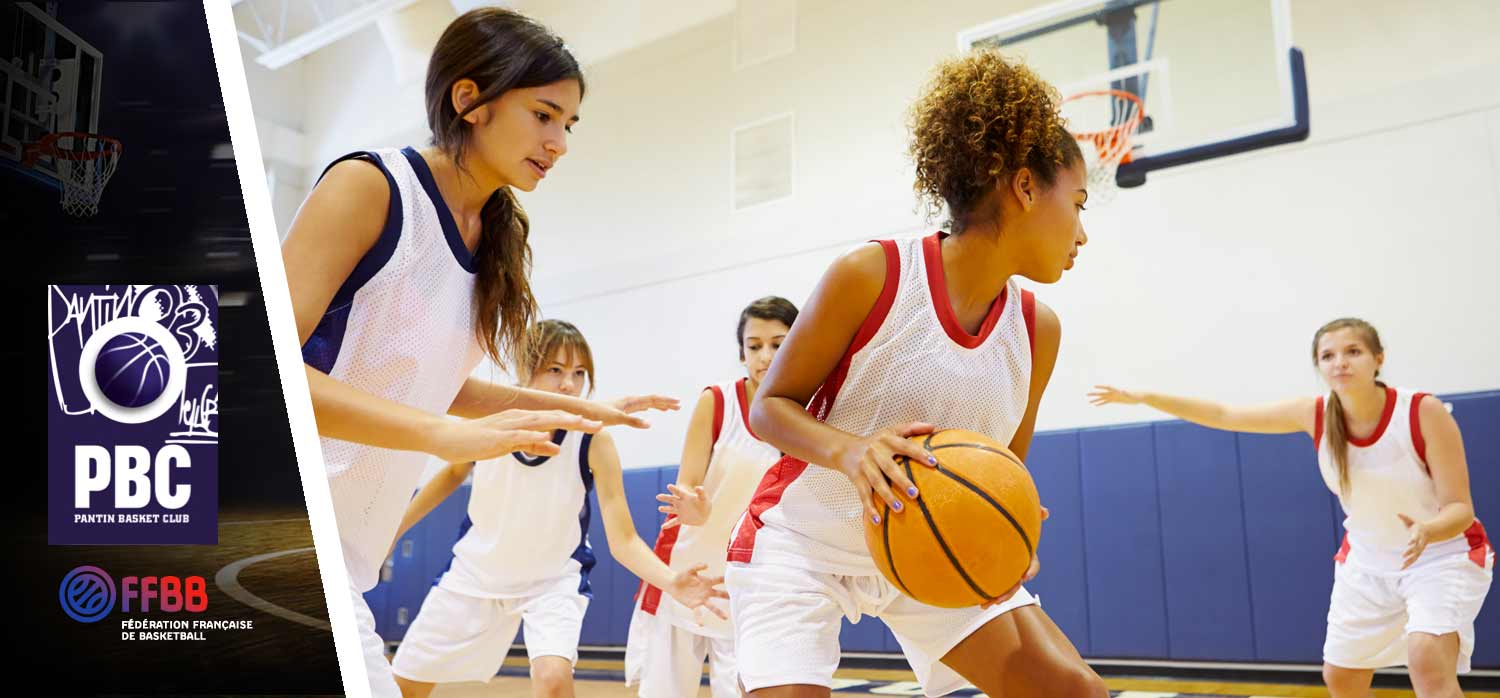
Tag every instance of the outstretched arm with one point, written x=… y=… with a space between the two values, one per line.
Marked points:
x=1286 y=417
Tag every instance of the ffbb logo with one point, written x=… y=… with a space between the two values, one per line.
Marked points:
x=88 y=594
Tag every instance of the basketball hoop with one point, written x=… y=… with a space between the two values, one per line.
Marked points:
x=1104 y=121
x=85 y=162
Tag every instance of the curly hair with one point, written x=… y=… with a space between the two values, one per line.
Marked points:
x=979 y=121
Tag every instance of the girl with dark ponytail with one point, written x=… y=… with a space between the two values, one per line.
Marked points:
x=408 y=266
x=1415 y=564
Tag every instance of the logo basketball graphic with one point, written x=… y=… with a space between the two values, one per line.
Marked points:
x=132 y=427
x=87 y=594
x=123 y=363
x=131 y=369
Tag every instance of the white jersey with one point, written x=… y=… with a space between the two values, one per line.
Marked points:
x=402 y=328
x=528 y=524
x=736 y=464
x=910 y=361
x=1388 y=475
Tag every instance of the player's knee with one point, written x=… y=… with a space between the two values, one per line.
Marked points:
x=1340 y=680
x=414 y=689
x=1430 y=663
x=551 y=679
x=1082 y=682
x=1332 y=677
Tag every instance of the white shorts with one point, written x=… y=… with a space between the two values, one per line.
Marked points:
x=1370 y=615
x=787 y=625
x=456 y=637
x=667 y=660
x=377 y=669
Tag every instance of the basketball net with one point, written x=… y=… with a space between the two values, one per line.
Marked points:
x=1103 y=122
x=85 y=162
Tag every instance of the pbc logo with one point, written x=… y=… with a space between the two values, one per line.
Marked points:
x=132 y=422
x=88 y=594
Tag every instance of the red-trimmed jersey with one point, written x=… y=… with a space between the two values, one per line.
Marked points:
x=910 y=361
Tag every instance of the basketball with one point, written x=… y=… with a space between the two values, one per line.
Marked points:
x=970 y=535
x=132 y=369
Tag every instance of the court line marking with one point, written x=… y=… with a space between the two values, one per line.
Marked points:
x=258 y=521
x=228 y=581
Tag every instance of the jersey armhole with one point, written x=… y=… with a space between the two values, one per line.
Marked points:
x=883 y=303
x=1318 y=424
x=384 y=248
x=585 y=470
x=718 y=417
x=822 y=400
x=1028 y=312
x=1417 y=442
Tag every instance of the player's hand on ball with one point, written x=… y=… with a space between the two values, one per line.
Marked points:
x=1105 y=394
x=529 y=431
x=683 y=506
x=874 y=465
x=694 y=590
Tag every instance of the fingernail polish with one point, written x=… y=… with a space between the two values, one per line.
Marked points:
x=932 y=460
x=875 y=518
x=911 y=491
x=897 y=505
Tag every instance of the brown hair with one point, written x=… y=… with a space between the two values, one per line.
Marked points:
x=500 y=50
x=979 y=121
x=767 y=308
x=1337 y=432
x=543 y=341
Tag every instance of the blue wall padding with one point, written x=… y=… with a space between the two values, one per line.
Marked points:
x=1203 y=541
x=1123 y=544
x=1063 y=582
x=1289 y=545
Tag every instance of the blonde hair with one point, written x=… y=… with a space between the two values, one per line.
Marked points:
x=1333 y=417
x=543 y=341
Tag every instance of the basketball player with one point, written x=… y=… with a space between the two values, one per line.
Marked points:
x=525 y=558
x=406 y=266
x=900 y=337
x=722 y=461
x=1415 y=564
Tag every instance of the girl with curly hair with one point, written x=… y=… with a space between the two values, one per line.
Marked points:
x=901 y=337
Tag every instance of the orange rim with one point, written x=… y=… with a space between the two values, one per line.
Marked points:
x=48 y=147
x=1107 y=140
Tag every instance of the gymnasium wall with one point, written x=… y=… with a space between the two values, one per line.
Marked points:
x=1167 y=541
x=1208 y=281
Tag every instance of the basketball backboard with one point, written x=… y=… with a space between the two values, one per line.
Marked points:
x=50 y=78
x=1215 y=78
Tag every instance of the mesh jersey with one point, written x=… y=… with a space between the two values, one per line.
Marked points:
x=401 y=327
x=909 y=361
x=1388 y=475
x=527 y=523
x=736 y=464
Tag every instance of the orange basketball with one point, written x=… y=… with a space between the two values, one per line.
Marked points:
x=969 y=536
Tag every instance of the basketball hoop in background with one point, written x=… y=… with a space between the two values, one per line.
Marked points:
x=85 y=162
x=1104 y=122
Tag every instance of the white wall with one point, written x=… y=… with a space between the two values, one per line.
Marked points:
x=279 y=102
x=1208 y=281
